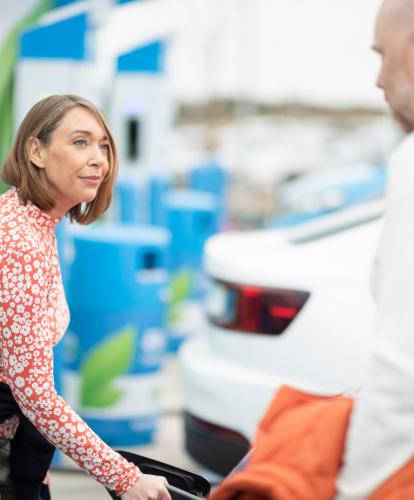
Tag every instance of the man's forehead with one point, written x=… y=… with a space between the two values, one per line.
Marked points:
x=396 y=13
x=394 y=20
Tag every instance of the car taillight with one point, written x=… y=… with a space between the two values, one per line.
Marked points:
x=253 y=309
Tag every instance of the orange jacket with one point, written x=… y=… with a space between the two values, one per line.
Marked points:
x=298 y=453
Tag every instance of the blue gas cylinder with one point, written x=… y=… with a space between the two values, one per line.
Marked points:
x=117 y=296
x=131 y=203
x=192 y=217
x=159 y=187
x=211 y=177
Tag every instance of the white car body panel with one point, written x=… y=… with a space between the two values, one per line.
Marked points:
x=230 y=377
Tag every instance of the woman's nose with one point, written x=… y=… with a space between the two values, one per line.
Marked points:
x=98 y=156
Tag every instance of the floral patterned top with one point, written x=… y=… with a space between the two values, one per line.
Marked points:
x=33 y=318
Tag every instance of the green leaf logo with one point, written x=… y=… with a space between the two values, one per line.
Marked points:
x=103 y=365
x=180 y=286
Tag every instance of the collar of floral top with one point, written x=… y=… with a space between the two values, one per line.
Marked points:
x=38 y=216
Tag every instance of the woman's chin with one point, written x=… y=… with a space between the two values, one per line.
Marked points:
x=89 y=196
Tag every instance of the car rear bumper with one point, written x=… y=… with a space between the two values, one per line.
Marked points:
x=216 y=448
x=221 y=392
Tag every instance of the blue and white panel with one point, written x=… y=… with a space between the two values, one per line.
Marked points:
x=142 y=108
x=55 y=57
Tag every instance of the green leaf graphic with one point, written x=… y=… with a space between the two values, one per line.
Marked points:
x=102 y=398
x=103 y=365
x=180 y=286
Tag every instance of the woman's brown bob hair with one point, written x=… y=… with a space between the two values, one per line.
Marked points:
x=40 y=122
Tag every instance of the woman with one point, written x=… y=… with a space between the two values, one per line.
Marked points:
x=63 y=162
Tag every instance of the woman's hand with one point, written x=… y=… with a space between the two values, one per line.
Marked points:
x=148 y=487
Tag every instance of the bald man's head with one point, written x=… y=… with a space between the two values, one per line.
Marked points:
x=394 y=41
x=398 y=12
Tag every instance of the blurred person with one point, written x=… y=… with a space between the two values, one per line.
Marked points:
x=313 y=447
x=380 y=438
x=63 y=163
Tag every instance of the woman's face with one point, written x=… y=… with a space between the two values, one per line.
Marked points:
x=76 y=160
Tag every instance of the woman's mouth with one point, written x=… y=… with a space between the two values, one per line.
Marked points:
x=92 y=180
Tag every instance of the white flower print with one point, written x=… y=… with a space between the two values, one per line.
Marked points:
x=33 y=318
x=19 y=381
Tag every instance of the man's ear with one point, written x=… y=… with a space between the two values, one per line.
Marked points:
x=35 y=150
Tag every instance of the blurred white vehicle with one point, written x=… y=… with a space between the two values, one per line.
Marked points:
x=283 y=308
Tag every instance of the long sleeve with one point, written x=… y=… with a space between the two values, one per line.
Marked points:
x=381 y=434
x=27 y=365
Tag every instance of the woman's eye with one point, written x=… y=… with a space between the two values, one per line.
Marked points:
x=105 y=147
x=80 y=142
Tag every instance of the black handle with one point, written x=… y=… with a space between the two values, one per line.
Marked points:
x=177 y=494
x=181 y=482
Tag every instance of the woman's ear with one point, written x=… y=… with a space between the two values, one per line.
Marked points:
x=35 y=150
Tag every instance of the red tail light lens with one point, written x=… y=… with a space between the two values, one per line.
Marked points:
x=253 y=309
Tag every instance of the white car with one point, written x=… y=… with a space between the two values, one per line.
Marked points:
x=283 y=308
